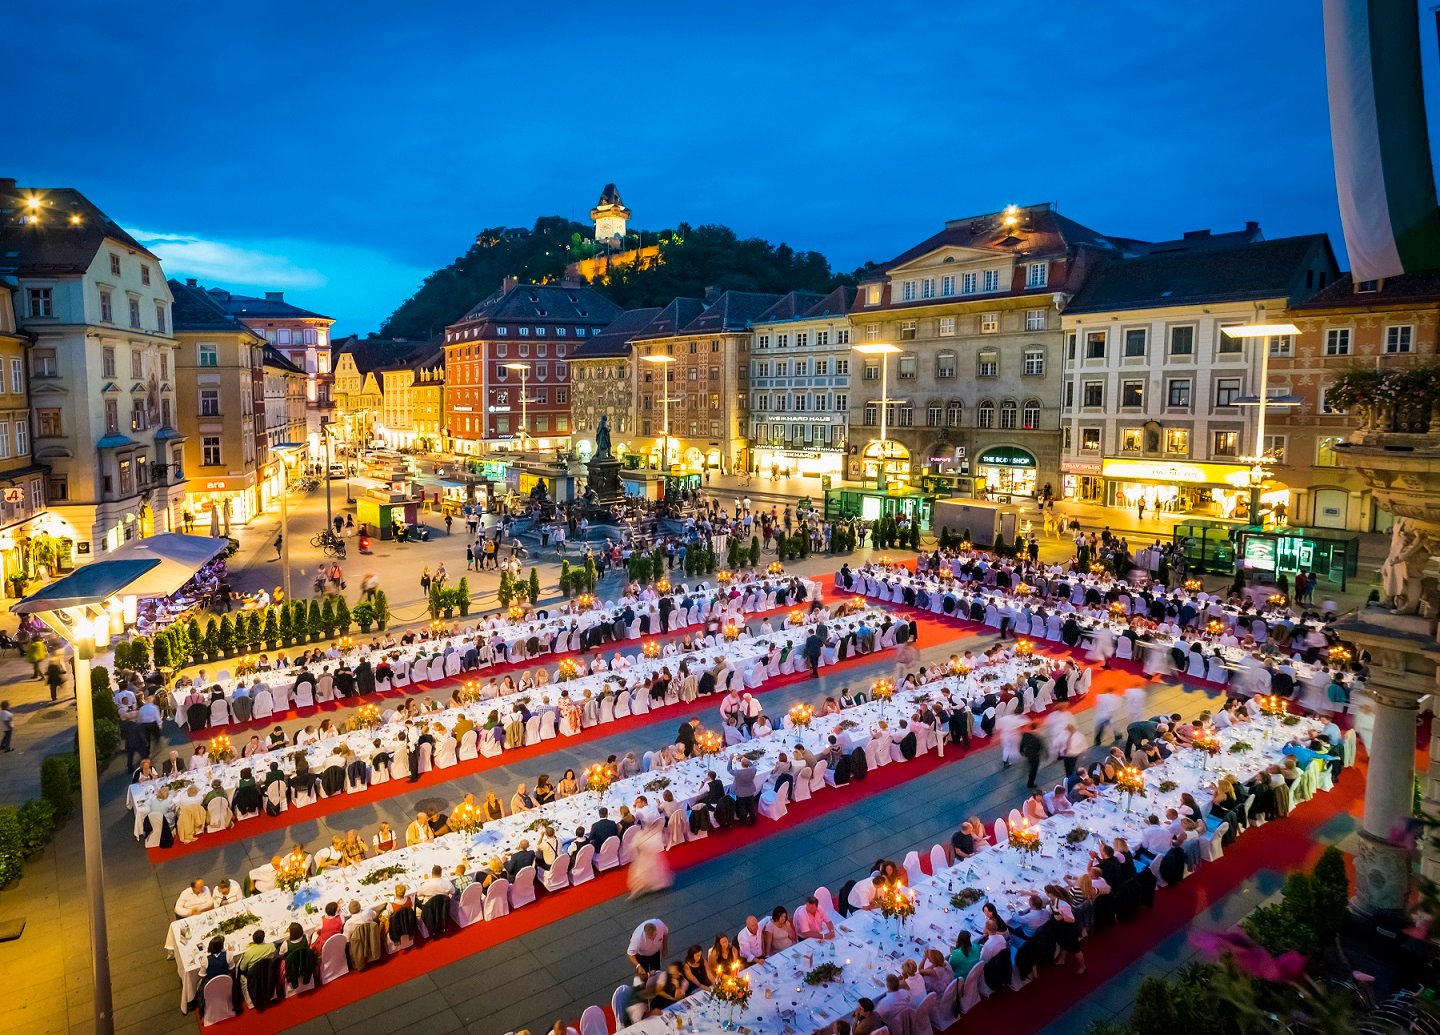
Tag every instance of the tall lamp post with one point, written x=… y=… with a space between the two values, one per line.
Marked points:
x=283 y=452
x=524 y=369
x=1261 y=401
x=884 y=350
x=664 y=363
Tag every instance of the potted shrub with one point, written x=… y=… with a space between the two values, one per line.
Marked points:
x=754 y=551
x=446 y=599
x=534 y=587
x=163 y=661
x=327 y=617
x=564 y=578
x=505 y=592
x=364 y=615
x=462 y=596
x=314 y=621
x=382 y=610
x=271 y=631
x=140 y=654
x=212 y=639
x=435 y=602
x=225 y=637
x=343 y=618
x=592 y=574
x=195 y=640
x=287 y=625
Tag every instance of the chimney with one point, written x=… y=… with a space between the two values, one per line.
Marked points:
x=1251 y=227
x=712 y=293
x=274 y=296
x=1196 y=235
x=509 y=284
x=190 y=282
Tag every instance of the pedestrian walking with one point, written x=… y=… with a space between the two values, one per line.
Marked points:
x=1032 y=749
x=469 y=557
x=425 y=581
x=279 y=542
x=449 y=520
x=7 y=726
x=36 y=652
x=54 y=676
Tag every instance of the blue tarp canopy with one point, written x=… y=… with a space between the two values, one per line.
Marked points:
x=91 y=584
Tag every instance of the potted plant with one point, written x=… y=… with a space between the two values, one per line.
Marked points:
x=163 y=661
x=17 y=584
x=343 y=619
x=534 y=587
x=327 y=617
x=314 y=621
x=382 y=610
x=754 y=551
x=446 y=600
x=364 y=615
x=592 y=574
x=505 y=592
x=435 y=601
x=225 y=636
x=271 y=630
x=212 y=639
x=140 y=654
x=287 y=625
x=462 y=596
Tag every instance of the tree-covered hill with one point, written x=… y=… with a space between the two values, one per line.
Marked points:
x=693 y=260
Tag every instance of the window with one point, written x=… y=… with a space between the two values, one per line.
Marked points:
x=1034 y=319
x=1177 y=441
x=781 y=341
x=872 y=371
x=1327 y=409
x=48 y=423
x=842 y=336
x=1227 y=390
x=135 y=313
x=802 y=339
x=1178 y=393
x=908 y=330
x=947 y=326
x=144 y=274
x=872 y=332
x=1069 y=395
x=872 y=294
x=1182 y=341
x=871 y=415
x=1135 y=343
x=22 y=437
x=927 y=287
x=907 y=291
x=802 y=401
x=1325 y=451
x=165 y=365
x=988 y=363
x=945 y=364
x=41 y=302
x=947 y=285
x=1090 y=440
x=762 y=342
x=985 y=415
x=1227 y=346
x=107 y=362
x=1093 y=394
x=1275 y=448
x=1398 y=339
x=1095 y=345
x=822 y=367
x=160 y=319
x=1282 y=345
x=906 y=367
x=524 y=332
x=209 y=402
x=1065 y=438
x=107 y=307
x=1008 y=412
x=992 y=280
x=1037 y=274
x=139 y=418
x=137 y=364
x=112 y=416
x=954 y=414
x=209 y=355
x=933 y=414
x=969 y=283
x=989 y=323
x=1132 y=394
x=1130 y=440
x=1030 y=415
x=1337 y=341
x=114 y=265
x=127 y=478
x=210 y=451
x=1226 y=443
x=842 y=401
x=1034 y=362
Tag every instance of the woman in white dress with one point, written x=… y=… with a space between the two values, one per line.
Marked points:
x=648 y=869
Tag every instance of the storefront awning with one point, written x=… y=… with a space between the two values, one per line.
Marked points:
x=1177 y=472
x=90 y=584
x=177 y=558
x=1006 y=456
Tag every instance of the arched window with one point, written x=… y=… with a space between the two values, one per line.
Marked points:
x=1030 y=415
x=1008 y=414
x=954 y=414
x=985 y=414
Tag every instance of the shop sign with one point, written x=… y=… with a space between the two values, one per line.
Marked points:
x=499 y=409
x=794 y=418
x=1190 y=473
x=1080 y=466
x=797 y=454
x=214 y=486
x=15 y=494
x=1006 y=456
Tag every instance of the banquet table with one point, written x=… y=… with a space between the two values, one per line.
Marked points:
x=186 y=938
x=552 y=707
x=499 y=638
x=1220 y=663
x=867 y=946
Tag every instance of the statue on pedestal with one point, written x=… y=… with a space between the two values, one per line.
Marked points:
x=603 y=482
x=1402 y=571
x=602 y=439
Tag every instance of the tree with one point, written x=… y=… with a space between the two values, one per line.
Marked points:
x=382 y=609
x=506 y=591
x=227 y=635
x=462 y=596
x=272 y=629
x=534 y=587
x=314 y=620
x=287 y=625
x=327 y=616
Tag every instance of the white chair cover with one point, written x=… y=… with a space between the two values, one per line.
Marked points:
x=583 y=868
x=1002 y=832
x=333 y=962
x=471 y=907
x=609 y=855
x=497 y=899
x=558 y=876
x=937 y=858
x=592 y=1021
x=219 y=1002
x=522 y=892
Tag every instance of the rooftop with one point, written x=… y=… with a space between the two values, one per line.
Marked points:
x=272 y=307
x=195 y=309
x=527 y=303
x=54 y=230
x=614 y=341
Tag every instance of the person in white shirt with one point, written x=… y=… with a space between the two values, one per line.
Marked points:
x=436 y=884
x=262 y=878
x=649 y=943
x=1155 y=839
x=994 y=943
x=225 y=892
x=811 y=921
x=357 y=917
x=194 y=900
x=751 y=941
x=1036 y=916
x=331 y=855
x=862 y=894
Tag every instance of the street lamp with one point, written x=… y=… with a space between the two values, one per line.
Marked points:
x=884 y=350
x=524 y=369
x=283 y=451
x=1261 y=401
x=664 y=362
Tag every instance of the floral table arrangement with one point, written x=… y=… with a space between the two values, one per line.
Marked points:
x=801 y=715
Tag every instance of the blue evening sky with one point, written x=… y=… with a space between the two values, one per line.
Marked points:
x=341 y=151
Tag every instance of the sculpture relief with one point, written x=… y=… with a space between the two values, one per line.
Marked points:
x=1402 y=571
